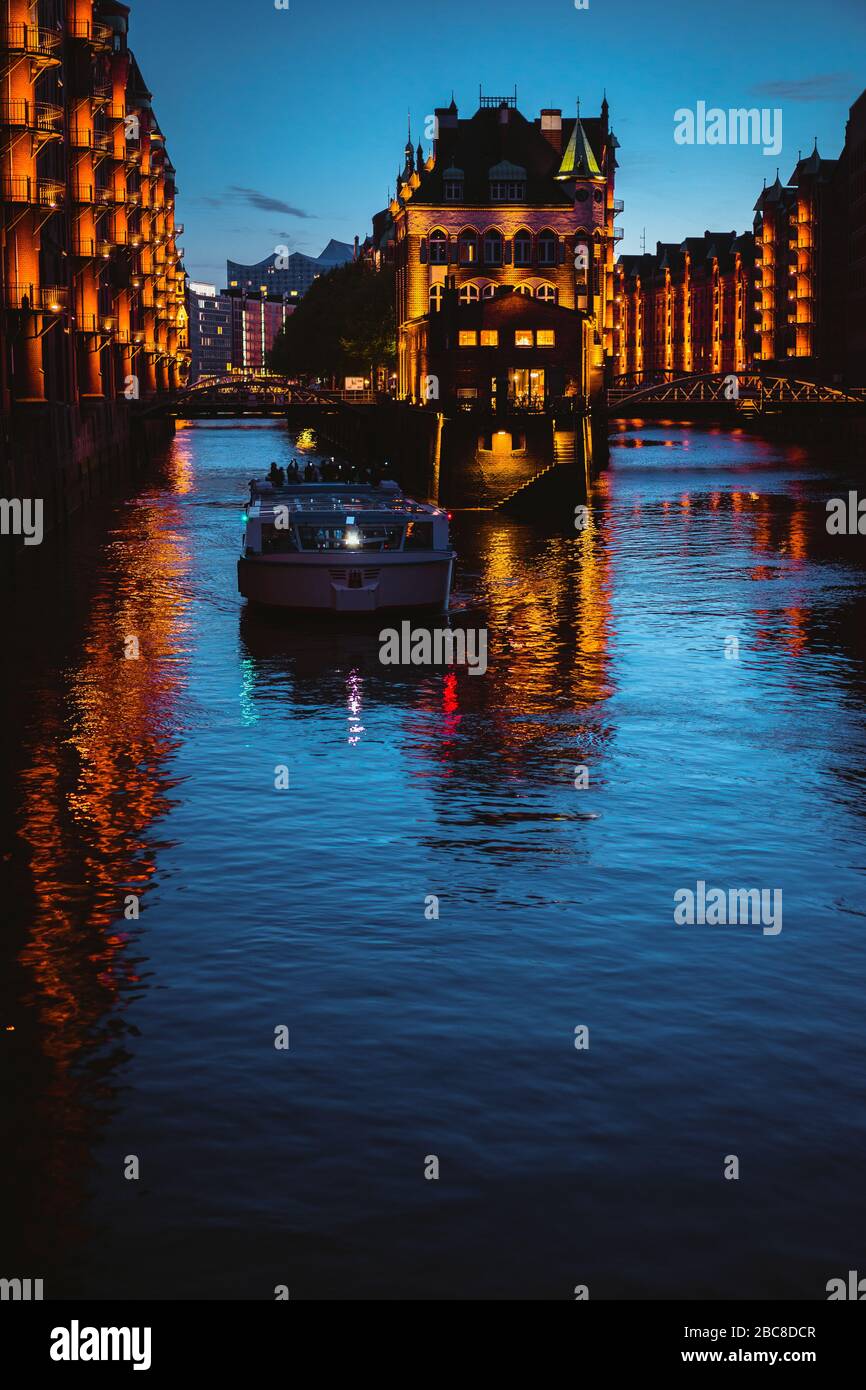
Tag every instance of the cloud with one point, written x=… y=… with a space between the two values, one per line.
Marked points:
x=265 y=203
x=823 y=87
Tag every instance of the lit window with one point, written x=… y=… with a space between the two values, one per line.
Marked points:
x=234 y=284
x=219 y=330
x=523 y=337
x=467 y=337
x=545 y=337
x=436 y=293
x=468 y=252
x=489 y=337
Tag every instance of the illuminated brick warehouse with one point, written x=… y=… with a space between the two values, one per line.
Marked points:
x=93 y=303
x=688 y=307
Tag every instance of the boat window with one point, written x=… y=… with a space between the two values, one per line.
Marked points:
x=277 y=540
x=419 y=535
x=350 y=537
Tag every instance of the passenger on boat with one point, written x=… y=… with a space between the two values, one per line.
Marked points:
x=274 y=473
x=292 y=471
x=311 y=473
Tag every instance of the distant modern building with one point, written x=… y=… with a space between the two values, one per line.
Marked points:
x=688 y=307
x=210 y=331
x=232 y=331
x=287 y=275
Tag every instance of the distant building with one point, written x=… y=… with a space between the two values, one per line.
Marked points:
x=287 y=275
x=256 y=321
x=504 y=207
x=689 y=307
x=232 y=331
x=210 y=331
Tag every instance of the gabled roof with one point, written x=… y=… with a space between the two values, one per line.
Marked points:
x=486 y=142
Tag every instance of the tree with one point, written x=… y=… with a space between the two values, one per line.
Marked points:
x=345 y=323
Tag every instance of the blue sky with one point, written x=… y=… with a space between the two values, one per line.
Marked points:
x=287 y=126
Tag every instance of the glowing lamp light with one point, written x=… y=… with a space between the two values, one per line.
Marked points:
x=353 y=538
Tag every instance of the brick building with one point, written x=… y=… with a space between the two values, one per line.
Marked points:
x=689 y=307
x=503 y=208
x=91 y=283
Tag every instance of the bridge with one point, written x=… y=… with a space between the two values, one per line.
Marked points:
x=743 y=393
x=252 y=396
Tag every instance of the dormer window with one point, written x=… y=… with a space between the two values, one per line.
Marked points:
x=452 y=184
x=508 y=192
x=507 y=183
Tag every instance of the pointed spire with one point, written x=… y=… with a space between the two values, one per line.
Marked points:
x=578 y=160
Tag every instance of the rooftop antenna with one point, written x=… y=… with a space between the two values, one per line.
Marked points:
x=643 y=242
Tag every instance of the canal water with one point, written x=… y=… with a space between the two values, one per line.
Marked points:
x=698 y=648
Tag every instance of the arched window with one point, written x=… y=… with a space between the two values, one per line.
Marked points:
x=438 y=247
x=523 y=289
x=547 y=245
x=488 y=291
x=492 y=248
x=468 y=294
x=546 y=292
x=468 y=247
x=522 y=248
x=436 y=293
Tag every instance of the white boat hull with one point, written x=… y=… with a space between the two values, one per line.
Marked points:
x=347 y=584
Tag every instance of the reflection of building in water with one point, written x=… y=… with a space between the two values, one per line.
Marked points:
x=91 y=786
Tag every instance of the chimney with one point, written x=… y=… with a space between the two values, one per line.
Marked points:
x=551 y=128
x=446 y=119
x=503 y=114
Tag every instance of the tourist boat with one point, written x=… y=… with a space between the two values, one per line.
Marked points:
x=344 y=547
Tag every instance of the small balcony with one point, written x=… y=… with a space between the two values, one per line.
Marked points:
x=42 y=118
x=618 y=233
x=41 y=46
x=618 y=205
x=25 y=297
x=100 y=36
x=102 y=90
x=50 y=193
